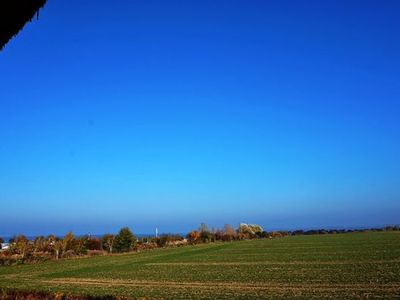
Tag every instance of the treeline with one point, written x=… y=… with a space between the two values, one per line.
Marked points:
x=336 y=231
x=21 y=250
x=252 y=231
x=244 y=231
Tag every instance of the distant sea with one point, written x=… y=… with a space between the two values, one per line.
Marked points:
x=138 y=235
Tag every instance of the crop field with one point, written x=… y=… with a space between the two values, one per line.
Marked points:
x=356 y=265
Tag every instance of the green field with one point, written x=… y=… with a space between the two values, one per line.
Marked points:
x=326 y=266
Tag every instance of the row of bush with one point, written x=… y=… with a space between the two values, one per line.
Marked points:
x=22 y=250
x=252 y=231
x=335 y=231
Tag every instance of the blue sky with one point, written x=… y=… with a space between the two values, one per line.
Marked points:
x=172 y=113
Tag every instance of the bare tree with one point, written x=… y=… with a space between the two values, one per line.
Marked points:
x=203 y=228
x=58 y=246
x=107 y=242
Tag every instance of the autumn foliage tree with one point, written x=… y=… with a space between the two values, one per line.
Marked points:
x=67 y=242
x=249 y=231
x=193 y=236
x=39 y=244
x=20 y=246
x=80 y=245
x=93 y=244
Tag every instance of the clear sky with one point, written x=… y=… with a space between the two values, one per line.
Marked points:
x=172 y=113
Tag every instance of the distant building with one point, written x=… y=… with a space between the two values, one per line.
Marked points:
x=4 y=246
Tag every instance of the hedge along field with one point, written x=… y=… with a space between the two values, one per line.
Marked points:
x=356 y=265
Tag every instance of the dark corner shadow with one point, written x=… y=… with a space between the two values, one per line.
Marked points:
x=14 y=14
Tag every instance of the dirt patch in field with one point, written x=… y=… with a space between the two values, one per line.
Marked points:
x=226 y=285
